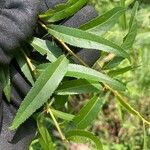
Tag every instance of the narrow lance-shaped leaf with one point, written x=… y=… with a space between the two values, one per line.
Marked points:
x=45 y=47
x=120 y=71
x=81 y=133
x=89 y=74
x=43 y=88
x=45 y=139
x=113 y=63
x=78 y=86
x=123 y=20
x=145 y=138
x=83 y=39
x=133 y=15
x=62 y=115
x=131 y=35
x=24 y=67
x=103 y=23
x=82 y=72
x=88 y=113
x=129 y=38
x=66 y=11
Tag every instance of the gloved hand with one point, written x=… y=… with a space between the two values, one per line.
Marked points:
x=17 y=21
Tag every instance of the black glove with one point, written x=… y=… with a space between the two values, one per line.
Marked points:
x=17 y=20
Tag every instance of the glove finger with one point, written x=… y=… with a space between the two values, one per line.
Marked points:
x=16 y=99
x=8 y=114
x=2 y=2
x=53 y=3
x=46 y=4
x=4 y=57
x=43 y=6
x=10 y=35
x=19 y=140
x=89 y=56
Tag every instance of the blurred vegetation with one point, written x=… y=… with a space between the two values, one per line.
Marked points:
x=118 y=129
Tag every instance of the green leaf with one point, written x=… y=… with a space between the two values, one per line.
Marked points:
x=89 y=74
x=113 y=63
x=83 y=39
x=133 y=15
x=119 y=71
x=131 y=35
x=62 y=115
x=82 y=72
x=78 y=86
x=103 y=23
x=21 y=60
x=88 y=113
x=45 y=138
x=86 y=134
x=145 y=138
x=5 y=80
x=60 y=101
x=40 y=68
x=45 y=47
x=43 y=88
x=63 y=11
x=123 y=17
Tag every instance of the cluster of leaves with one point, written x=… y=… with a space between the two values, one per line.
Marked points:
x=55 y=81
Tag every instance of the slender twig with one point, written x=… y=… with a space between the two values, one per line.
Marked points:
x=72 y=53
x=28 y=61
x=29 y=64
x=56 y=124
x=42 y=24
x=106 y=59
x=122 y=99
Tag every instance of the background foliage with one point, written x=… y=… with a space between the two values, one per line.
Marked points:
x=120 y=130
